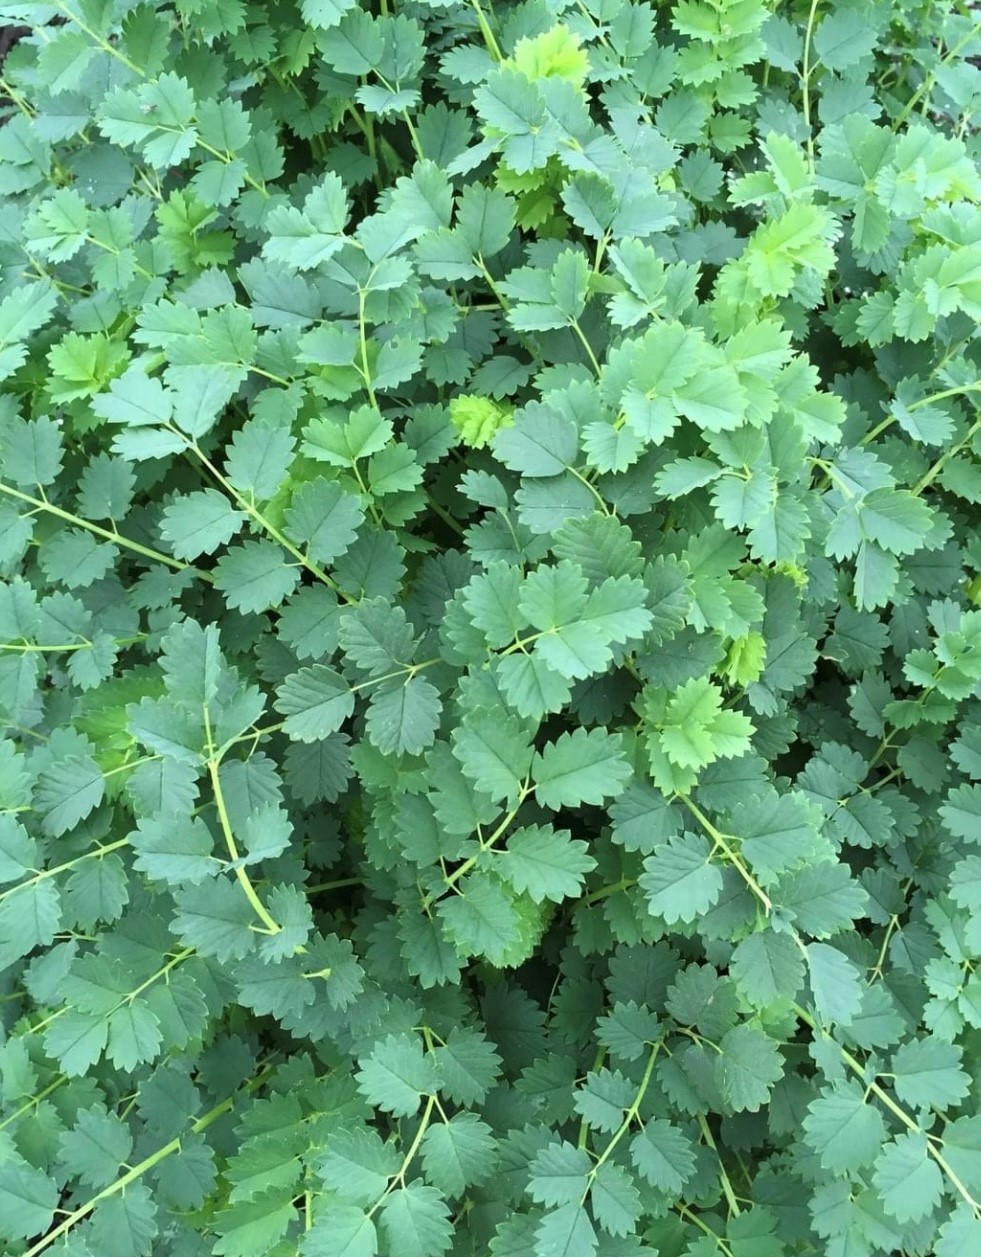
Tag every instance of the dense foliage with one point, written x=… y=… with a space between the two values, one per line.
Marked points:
x=489 y=631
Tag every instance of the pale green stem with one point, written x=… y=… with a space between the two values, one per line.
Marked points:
x=39 y=504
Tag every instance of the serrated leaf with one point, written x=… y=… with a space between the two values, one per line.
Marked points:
x=417 y=1219
x=908 y=1181
x=27 y=1200
x=315 y=701
x=458 y=1153
x=396 y=1074
x=584 y=766
x=835 y=983
x=67 y=792
x=844 y=1129
x=749 y=1065
x=340 y=1231
x=545 y=863
x=663 y=1155
x=200 y=523
x=927 y=1073
x=494 y=752
x=680 y=880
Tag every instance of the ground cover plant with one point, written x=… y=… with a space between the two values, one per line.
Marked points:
x=489 y=629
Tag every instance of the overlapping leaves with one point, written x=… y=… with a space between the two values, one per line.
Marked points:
x=489 y=648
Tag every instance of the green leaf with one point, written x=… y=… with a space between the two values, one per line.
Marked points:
x=908 y=1181
x=539 y=443
x=962 y=811
x=252 y=1226
x=215 y=918
x=844 y=1129
x=340 y=1230
x=458 y=1153
x=259 y=457
x=835 y=983
x=67 y=792
x=566 y=1232
x=748 y=1066
x=396 y=1074
x=254 y=576
x=559 y=1174
x=545 y=863
x=467 y=1066
x=377 y=638
x=584 y=766
x=303 y=239
x=200 y=523
x=823 y=898
x=483 y=920
x=325 y=14
x=98 y=1144
x=615 y=1200
x=18 y=851
x=680 y=880
x=895 y=520
x=323 y=520
x=494 y=753
x=134 y=1035
x=357 y=1165
x=417 y=1220
x=627 y=1030
x=403 y=717
x=663 y=1155
x=32 y=451
x=22 y=312
x=315 y=701
x=843 y=38
x=927 y=1073
x=28 y=1199
x=768 y=968
x=603 y=1098
x=76 y=1041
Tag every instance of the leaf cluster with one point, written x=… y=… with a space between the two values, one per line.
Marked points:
x=490 y=629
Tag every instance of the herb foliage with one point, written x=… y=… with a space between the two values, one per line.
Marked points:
x=490 y=629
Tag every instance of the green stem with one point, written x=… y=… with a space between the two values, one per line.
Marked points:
x=493 y=47
x=25 y=648
x=104 y=44
x=341 y=884
x=34 y=1101
x=604 y=892
x=685 y=1212
x=486 y=844
x=40 y=504
x=927 y=85
x=399 y=1176
x=721 y=840
x=41 y=876
x=807 y=70
x=270 y=529
x=592 y=489
x=137 y=1171
x=856 y=1066
x=272 y=926
x=727 y=1190
x=628 y=1118
x=363 y=337
x=925 y=481
x=593 y=361
x=889 y=420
